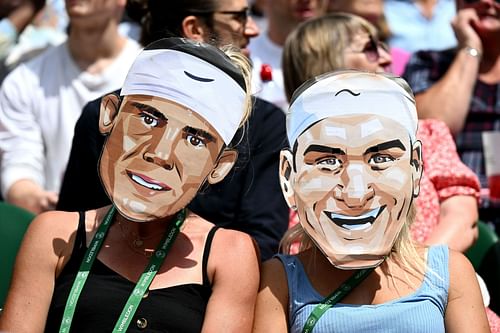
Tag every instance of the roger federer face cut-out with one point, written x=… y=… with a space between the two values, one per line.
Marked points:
x=157 y=156
x=352 y=173
x=353 y=184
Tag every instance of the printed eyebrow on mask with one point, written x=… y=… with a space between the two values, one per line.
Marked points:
x=199 y=132
x=198 y=78
x=347 y=91
x=150 y=109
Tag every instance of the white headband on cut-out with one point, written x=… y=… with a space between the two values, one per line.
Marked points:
x=352 y=93
x=191 y=82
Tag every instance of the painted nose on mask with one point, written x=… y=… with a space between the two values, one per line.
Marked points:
x=355 y=190
x=161 y=151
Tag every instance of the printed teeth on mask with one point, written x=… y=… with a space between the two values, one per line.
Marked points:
x=144 y=183
x=359 y=222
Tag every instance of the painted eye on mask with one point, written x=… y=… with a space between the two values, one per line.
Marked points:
x=331 y=163
x=380 y=161
x=149 y=120
x=195 y=141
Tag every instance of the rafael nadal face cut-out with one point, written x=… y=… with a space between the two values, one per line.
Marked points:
x=157 y=156
x=169 y=133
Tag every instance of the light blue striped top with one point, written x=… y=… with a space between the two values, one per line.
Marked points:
x=422 y=311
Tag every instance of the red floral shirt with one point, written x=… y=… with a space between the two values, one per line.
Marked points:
x=444 y=176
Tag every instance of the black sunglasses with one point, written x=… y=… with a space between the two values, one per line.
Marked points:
x=239 y=15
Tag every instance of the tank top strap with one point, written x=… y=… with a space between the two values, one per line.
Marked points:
x=206 y=254
x=80 y=240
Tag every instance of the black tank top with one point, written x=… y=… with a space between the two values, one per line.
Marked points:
x=174 y=309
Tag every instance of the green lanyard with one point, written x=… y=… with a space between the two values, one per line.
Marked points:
x=335 y=297
x=140 y=288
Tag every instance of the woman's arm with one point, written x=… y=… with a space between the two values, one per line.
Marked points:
x=457 y=225
x=235 y=263
x=456 y=186
x=37 y=264
x=465 y=311
x=449 y=98
x=272 y=301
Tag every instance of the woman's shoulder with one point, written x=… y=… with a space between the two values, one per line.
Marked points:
x=54 y=223
x=227 y=237
x=50 y=236
x=59 y=228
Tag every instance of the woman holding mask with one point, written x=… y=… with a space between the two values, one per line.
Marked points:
x=145 y=263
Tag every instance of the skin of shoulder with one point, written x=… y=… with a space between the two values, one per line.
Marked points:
x=46 y=247
x=233 y=265
x=465 y=311
x=271 y=313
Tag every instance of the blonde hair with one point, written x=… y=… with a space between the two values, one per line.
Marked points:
x=317 y=47
x=242 y=62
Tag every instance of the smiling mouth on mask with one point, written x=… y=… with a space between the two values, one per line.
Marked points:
x=150 y=184
x=354 y=223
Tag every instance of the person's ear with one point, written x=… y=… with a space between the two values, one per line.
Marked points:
x=193 y=28
x=223 y=165
x=110 y=105
x=417 y=164
x=286 y=175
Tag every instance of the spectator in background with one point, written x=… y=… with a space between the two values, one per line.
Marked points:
x=461 y=86
x=373 y=12
x=41 y=100
x=15 y=16
x=257 y=12
x=249 y=199
x=420 y=24
x=266 y=50
x=370 y=10
x=48 y=28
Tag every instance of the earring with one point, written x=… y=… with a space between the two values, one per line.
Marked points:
x=293 y=207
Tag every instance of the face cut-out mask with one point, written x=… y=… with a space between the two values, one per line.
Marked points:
x=355 y=164
x=171 y=129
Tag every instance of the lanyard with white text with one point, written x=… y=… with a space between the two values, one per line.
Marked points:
x=335 y=297
x=142 y=285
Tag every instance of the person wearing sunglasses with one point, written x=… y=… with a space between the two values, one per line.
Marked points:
x=461 y=86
